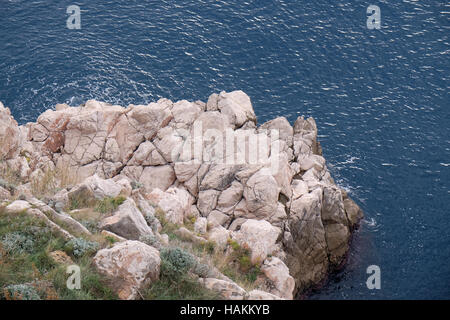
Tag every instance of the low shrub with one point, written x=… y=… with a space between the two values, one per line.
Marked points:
x=20 y=292
x=151 y=240
x=17 y=242
x=176 y=262
x=78 y=247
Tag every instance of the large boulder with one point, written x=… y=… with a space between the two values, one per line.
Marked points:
x=102 y=188
x=10 y=138
x=304 y=241
x=127 y=222
x=130 y=265
x=335 y=222
x=353 y=211
x=258 y=236
x=278 y=273
x=237 y=107
x=176 y=203
x=261 y=194
x=18 y=206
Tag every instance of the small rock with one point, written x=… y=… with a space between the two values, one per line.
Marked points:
x=61 y=257
x=18 y=206
x=112 y=235
x=220 y=236
x=227 y=290
x=262 y=295
x=200 y=225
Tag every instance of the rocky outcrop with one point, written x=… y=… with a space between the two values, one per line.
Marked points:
x=267 y=188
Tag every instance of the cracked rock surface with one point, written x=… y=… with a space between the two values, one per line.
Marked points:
x=295 y=219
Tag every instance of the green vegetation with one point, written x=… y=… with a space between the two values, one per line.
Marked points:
x=28 y=272
x=238 y=266
x=82 y=200
x=109 y=205
x=79 y=247
x=167 y=227
x=21 y=292
x=176 y=281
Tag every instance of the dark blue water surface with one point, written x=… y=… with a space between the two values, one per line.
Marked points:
x=380 y=98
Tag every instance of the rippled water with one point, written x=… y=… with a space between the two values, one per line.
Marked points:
x=380 y=98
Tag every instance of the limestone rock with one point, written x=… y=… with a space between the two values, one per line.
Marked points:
x=237 y=107
x=4 y=194
x=353 y=211
x=18 y=206
x=130 y=265
x=278 y=273
x=207 y=201
x=304 y=241
x=161 y=177
x=127 y=222
x=176 y=203
x=200 y=225
x=227 y=290
x=335 y=224
x=103 y=188
x=220 y=236
x=9 y=134
x=230 y=197
x=261 y=194
x=217 y=218
x=262 y=295
x=259 y=236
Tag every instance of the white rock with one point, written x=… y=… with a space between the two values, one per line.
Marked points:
x=200 y=225
x=220 y=236
x=207 y=201
x=161 y=177
x=18 y=206
x=217 y=218
x=261 y=194
x=261 y=295
x=127 y=222
x=103 y=188
x=237 y=107
x=130 y=265
x=275 y=270
x=230 y=197
x=259 y=236
x=4 y=194
x=175 y=202
x=227 y=290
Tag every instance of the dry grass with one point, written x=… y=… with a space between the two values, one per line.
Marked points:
x=51 y=181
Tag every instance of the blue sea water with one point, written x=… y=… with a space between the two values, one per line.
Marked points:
x=380 y=99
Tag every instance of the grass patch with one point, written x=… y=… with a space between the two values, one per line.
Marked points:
x=25 y=262
x=109 y=205
x=50 y=181
x=176 y=281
